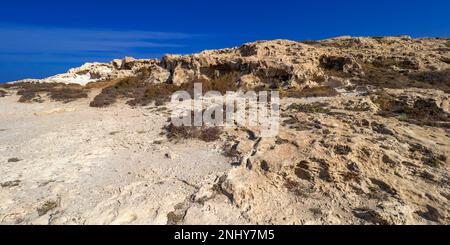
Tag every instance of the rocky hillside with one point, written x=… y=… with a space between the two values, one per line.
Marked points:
x=365 y=136
x=335 y=62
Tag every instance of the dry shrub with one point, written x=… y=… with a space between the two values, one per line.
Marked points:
x=2 y=93
x=321 y=91
x=100 y=84
x=436 y=79
x=336 y=63
x=143 y=93
x=46 y=207
x=310 y=108
x=222 y=84
x=296 y=188
x=130 y=87
x=207 y=134
x=133 y=88
x=311 y=42
x=418 y=111
x=210 y=134
x=227 y=82
x=31 y=91
x=160 y=93
x=383 y=77
x=351 y=177
x=68 y=94
x=107 y=97
x=230 y=150
x=386 y=77
x=404 y=63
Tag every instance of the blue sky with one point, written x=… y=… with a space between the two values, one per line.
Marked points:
x=42 y=38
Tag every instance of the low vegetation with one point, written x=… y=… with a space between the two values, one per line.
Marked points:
x=414 y=110
x=33 y=92
x=224 y=83
x=320 y=91
x=46 y=207
x=207 y=134
x=140 y=92
x=310 y=108
x=100 y=84
x=136 y=90
x=385 y=77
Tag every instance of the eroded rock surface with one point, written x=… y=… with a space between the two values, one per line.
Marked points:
x=364 y=139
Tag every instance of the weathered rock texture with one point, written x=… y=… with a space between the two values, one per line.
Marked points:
x=280 y=62
x=365 y=139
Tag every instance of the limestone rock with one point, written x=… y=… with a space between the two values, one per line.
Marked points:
x=181 y=76
x=158 y=75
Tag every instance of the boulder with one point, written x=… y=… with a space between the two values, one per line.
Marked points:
x=117 y=63
x=127 y=63
x=181 y=76
x=158 y=75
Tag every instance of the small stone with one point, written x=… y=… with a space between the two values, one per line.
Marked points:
x=170 y=155
x=14 y=159
x=8 y=184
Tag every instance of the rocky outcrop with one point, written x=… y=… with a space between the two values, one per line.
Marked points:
x=157 y=74
x=364 y=139
x=94 y=72
x=341 y=61
x=297 y=64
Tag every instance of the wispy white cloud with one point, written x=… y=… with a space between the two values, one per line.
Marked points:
x=62 y=44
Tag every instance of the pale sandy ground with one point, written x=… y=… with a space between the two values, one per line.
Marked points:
x=81 y=165
x=99 y=166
